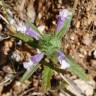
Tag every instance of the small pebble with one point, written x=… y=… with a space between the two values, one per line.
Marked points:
x=39 y=16
x=16 y=56
x=94 y=54
x=93 y=63
x=60 y=1
x=78 y=24
x=19 y=87
x=87 y=40
x=19 y=43
x=41 y=28
x=95 y=23
x=1 y=27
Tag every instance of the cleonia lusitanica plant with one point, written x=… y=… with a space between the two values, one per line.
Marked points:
x=49 y=46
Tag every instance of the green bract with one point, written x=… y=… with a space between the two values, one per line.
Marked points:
x=49 y=44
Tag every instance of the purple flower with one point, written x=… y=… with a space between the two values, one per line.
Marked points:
x=62 y=60
x=33 y=60
x=31 y=32
x=37 y=58
x=63 y=15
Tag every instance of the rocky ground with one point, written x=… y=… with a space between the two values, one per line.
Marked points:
x=79 y=42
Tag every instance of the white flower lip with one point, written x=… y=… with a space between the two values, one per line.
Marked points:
x=21 y=27
x=27 y=64
x=64 y=14
x=62 y=60
x=64 y=64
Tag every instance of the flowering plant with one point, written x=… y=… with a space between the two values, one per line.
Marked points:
x=49 y=46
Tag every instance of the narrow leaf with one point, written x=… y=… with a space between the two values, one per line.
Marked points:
x=77 y=70
x=22 y=37
x=29 y=73
x=65 y=28
x=46 y=77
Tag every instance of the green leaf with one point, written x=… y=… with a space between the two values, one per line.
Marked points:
x=77 y=70
x=56 y=43
x=50 y=44
x=46 y=77
x=22 y=37
x=65 y=28
x=45 y=41
x=29 y=73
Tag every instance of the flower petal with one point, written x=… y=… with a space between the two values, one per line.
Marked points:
x=33 y=33
x=61 y=55
x=37 y=58
x=64 y=64
x=33 y=60
x=62 y=60
x=63 y=15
